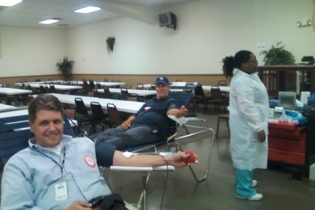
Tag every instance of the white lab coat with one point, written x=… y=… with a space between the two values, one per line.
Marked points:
x=249 y=109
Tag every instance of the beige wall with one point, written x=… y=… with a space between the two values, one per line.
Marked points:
x=207 y=31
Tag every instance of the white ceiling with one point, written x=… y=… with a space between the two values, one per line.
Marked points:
x=30 y=12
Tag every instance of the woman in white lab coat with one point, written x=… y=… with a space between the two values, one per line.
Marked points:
x=249 y=108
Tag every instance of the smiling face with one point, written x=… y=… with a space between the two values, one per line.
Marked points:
x=47 y=128
x=162 y=90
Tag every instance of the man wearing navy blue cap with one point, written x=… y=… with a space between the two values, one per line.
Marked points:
x=150 y=124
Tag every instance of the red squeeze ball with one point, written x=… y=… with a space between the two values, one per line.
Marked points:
x=191 y=158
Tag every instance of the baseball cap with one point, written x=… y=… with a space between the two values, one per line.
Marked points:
x=163 y=80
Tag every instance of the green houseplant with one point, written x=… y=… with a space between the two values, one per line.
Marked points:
x=110 y=41
x=65 y=66
x=277 y=55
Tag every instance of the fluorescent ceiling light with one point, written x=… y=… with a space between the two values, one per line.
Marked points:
x=87 y=9
x=9 y=3
x=49 y=21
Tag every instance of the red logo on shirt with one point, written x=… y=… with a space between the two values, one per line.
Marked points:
x=147 y=108
x=89 y=161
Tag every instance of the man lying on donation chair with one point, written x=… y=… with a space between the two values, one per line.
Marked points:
x=149 y=125
x=58 y=171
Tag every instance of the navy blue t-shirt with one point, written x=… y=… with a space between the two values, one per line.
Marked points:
x=153 y=114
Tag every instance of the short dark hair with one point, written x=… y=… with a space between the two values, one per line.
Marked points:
x=43 y=102
x=230 y=62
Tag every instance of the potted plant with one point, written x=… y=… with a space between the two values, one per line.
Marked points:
x=65 y=66
x=110 y=41
x=277 y=55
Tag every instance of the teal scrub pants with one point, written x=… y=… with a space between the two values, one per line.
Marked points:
x=243 y=183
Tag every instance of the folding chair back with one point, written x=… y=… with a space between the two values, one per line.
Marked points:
x=199 y=91
x=98 y=116
x=92 y=85
x=124 y=93
x=113 y=114
x=42 y=89
x=97 y=111
x=222 y=83
x=98 y=85
x=52 y=88
x=140 y=86
x=218 y=99
x=107 y=93
x=82 y=115
x=80 y=107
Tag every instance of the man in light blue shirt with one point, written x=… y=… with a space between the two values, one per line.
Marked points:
x=58 y=171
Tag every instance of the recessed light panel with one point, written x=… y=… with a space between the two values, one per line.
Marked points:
x=9 y=3
x=87 y=9
x=49 y=21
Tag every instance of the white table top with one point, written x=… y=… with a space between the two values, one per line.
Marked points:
x=13 y=91
x=134 y=91
x=14 y=113
x=121 y=105
x=57 y=87
x=42 y=82
x=6 y=107
x=222 y=88
x=108 y=84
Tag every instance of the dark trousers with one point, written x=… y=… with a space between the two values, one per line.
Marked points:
x=109 y=202
x=124 y=139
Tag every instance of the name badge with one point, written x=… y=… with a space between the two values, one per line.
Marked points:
x=61 y=192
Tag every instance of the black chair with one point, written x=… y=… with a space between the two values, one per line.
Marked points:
x=37 y=80
x=42 y=89
x=85 y=87
x=105 y=79
x=218 y=98
x=107 y=93
x=124 y=94
x=98 y=117
x=52 y=88
x=82 y=115
x=117 y=86
x=114 y=116
x=98 y=85
x=201 y=98
x=140 y=86
x=222 y=83
x=222 y=117
x=91 y=83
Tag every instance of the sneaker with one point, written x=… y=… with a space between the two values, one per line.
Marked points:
x=256 y=197
x=254 y=183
